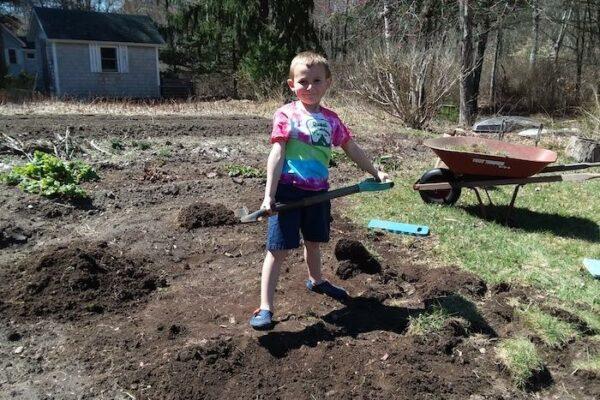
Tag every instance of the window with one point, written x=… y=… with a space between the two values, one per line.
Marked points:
x=31 y=55
x=108 y=56
x=12 y=56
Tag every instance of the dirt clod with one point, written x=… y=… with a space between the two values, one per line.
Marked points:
x=354 y=258
x=204 y=214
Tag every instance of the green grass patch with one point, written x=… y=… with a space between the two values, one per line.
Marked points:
x=50 y=176
x=555 y=227
x=244 y=171
x=520 y=358
x=141 y=144
x=591 y=363
x=164 y=152
x=428 y=322
x=551 y=330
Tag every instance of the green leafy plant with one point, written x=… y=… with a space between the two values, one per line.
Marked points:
x=50 y=176
x=116 y=144
x=142 y=144
x=244 y=171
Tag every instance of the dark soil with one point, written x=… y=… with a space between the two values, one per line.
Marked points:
x=112 y=299
x=204 y=214
x=75 y=281
x=353 y=259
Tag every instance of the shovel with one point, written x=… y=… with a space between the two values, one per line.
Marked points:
x=368 y=185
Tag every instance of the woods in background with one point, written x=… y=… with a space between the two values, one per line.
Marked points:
x=408 y=57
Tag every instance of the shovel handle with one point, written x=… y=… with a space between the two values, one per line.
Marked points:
x=368 y=185
x=319 y=198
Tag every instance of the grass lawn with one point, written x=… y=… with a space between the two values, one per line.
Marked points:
x=555 y=227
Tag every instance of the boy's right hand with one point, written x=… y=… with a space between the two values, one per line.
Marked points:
x=268 y=204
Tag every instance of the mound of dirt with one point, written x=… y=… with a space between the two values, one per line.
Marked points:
x=439 y=282
x=196 y=371
x=204 y=214
x=354 y=258
x=76 y=281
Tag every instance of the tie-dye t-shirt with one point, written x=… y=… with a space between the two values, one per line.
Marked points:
x=308 y=137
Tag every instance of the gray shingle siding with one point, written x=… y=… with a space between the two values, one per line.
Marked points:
x=10 y=43
x=77 y=79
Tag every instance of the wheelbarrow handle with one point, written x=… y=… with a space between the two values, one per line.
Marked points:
x=569 y=167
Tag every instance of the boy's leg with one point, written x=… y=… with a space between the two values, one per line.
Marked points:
x=270 y=276
x=312 y=255
x=315 y=282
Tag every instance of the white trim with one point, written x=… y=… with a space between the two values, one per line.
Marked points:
x=157 y=72
x=106 y=43
x=23 y=44
x=94 y=58
x=122 y=59
x=55 y=68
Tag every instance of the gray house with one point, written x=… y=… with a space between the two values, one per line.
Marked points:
x=19 y=55
x=89 y=54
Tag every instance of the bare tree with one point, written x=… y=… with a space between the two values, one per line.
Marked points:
x=467 y=110
x=535 y=28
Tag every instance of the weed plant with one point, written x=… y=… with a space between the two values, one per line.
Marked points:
x=50 y=176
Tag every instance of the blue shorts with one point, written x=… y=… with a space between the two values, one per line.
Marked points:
x=285 y=227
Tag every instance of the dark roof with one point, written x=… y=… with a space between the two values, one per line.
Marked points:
x=95 y=26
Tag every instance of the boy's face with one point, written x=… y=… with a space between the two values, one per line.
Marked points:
x=310 y=83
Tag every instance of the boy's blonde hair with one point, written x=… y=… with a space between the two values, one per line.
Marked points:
x=309 y=58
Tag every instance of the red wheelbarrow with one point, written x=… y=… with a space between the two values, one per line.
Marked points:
x=484 y=163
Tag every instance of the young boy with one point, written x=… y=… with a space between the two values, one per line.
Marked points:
x=297 y=167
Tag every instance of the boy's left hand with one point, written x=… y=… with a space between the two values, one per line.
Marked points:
x=383 y=177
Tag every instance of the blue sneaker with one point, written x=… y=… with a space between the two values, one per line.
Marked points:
x=328 y=289
x=262 y=319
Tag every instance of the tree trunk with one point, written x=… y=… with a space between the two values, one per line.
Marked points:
x=478 y=61
x=3 y=68
x=494 y=72
x=579 y=52
x=387 y=35
x=561 y=33
x=466 y=111
x=535 y=35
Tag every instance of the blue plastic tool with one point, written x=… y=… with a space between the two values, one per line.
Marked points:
x=593 y=267
x=398 y=227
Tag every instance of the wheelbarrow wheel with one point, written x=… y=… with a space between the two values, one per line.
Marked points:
x=444 y=196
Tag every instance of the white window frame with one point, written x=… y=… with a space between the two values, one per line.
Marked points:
x=116 y=70
x=96 y=57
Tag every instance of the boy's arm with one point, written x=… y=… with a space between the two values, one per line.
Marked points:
x=274 y=167
x=356 y=154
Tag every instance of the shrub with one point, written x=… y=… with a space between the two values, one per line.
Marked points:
x=50 y=176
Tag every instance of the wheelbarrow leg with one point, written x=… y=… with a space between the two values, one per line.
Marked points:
x=512 y=202
x=488 y=196
x=481 y=205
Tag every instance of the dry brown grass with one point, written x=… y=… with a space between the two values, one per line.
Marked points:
x=151 y=108
x=360 y=117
